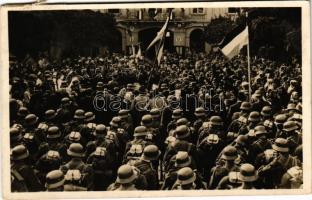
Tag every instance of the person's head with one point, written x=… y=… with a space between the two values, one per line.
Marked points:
x=177 y=114
x=31 y=120
x=281 y=146
x=123 y=114
x=279 y=121
x=53 y=133
x=19 y=153
x=22 y=112
x=254 y=118
x=183 y=121
x=156 y=114
x=216 y=122
x=140 y=132
x=76 y=151
x=89 y=117
x=151 y=153
x=229 y=154
x=79 y=115
x=55 y=181
x=15 y=136
x=182 y=132
x=182 y=159
x=260 y=131
x=266 y=112
x=100 y=131
x=65 y=102
x=126 y=175
x=247 y=173
x=147 y=121
x=186 y=178
x=115 y=122
x=245 y=107
x=50 y=115
x=290 y=127
x=241 y=141
x=200 y=113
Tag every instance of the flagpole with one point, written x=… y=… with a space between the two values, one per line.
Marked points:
x=157 y=52
x=248 y=60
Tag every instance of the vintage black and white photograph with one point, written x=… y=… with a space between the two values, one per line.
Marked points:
x=155 y=98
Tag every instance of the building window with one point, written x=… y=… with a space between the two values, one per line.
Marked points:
x=234 y=10
x=198 y=10
x=114 y=11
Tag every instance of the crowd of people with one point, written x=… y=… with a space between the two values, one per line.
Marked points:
x=118 y=123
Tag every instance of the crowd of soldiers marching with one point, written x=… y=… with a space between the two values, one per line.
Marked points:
x=115 y=123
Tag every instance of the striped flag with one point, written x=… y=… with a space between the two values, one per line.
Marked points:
x=160 y=35
x=133 y=50
x=139 y=54
x=234 y=41
x=160 y=53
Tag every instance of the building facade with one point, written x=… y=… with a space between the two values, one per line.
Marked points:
x=185 y=30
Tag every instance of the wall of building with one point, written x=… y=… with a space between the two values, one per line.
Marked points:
x=184 y=20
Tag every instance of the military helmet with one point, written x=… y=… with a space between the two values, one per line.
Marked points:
x=76 y=150
x=126 y=174
x=54 y=132
x=247 y=173
x=229 y=153
x=290 y=126
x=246 y=106
x=54 y=179
x=186 y=176
x=182 y=159
x=19 y=152
x=254 y=116
x=182 y=132
x=140 y=131
x=151 y=152
x=79 y=114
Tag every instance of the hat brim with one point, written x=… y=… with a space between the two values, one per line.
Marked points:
x=140 y=134
x=73 y=154
x=290 y=129
x=188 y=181
x=247 y=178
x=265 y=114
x=199 y=114
x=32 y=123
x=54 y=136
x=183 y=136
x=79 y=117
x=261 y=133
x=55 y=185
x=280 y=149
x=151 y=158
x=21 y=157
x=127 y=180
x=176 y=116
x=225 y=157
x=253 y=120
x=51 y=117
x=113 y=124
x=89 y=119
x=123 y=116
x=186 y=164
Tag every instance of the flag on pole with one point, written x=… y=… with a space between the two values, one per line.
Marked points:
x=133 y=50
x=139 y=54
x=160 y=35
x=234 y=41
x=160 y=53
